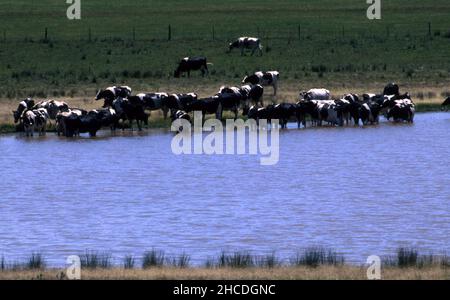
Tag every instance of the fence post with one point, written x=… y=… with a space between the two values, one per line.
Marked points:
x=429 y=29
x=134 y=33
x=4 y=35
x=170 y=33
x=299 y=32
x=45 y=34
x=213 y=34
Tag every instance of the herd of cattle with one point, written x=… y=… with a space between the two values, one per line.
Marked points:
x=120 y=106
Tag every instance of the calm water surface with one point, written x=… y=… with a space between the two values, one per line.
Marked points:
x=361 y=191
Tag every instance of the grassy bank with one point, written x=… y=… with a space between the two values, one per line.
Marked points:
x=278 y=273
x=309 y=42
x=310 y=263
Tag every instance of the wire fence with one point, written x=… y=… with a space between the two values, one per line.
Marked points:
x=290 y=33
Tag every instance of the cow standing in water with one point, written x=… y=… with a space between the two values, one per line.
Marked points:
x=35 y=119
x=23 y=105
x=269 y=78
x=188 y=64
x=243 y=43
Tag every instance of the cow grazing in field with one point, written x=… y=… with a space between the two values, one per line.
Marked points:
x=23 y=105
x=188 y=64
x=446 y=104
x=243 y=43
x=269 y=78
x=315 y=94
x=111 y=93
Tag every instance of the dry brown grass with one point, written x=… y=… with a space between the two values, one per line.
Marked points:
x=280 y=273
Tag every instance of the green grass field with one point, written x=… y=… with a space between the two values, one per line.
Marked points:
x=327 y=43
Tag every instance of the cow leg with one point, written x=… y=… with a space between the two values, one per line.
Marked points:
x=165 y=111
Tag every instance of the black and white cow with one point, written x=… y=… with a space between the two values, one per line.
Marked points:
x=111 y=93
x=369 y=113
x=62 y=117
x=243 y=43
x=269 y=78
x=305 y=108
x=130 y=110
x=35 y=119
x=253 y=93
x=75 y=124
x=283 y=112
x=401 y=110
x=259 y=113
x=315 y=94
x=176 y=102
x=151 y=101
x=209 y=105
x=330 y=112
x=53 y=107
x=188 y=64
x=23 y=105
x=446 y=104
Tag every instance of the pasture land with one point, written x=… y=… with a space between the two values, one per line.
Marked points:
x=312 y=43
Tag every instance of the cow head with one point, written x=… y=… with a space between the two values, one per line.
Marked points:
x=252 y=79
x=232 y=45
x=16 y=115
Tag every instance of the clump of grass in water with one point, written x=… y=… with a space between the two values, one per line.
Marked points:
x=2 y=264
x=94 y=260
x=268 y=261
x=182 y=261
x=316 y=256
x=236 y=260
x=153 y=258
x=410 y=257
x=128 y=262
x=35 y=261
